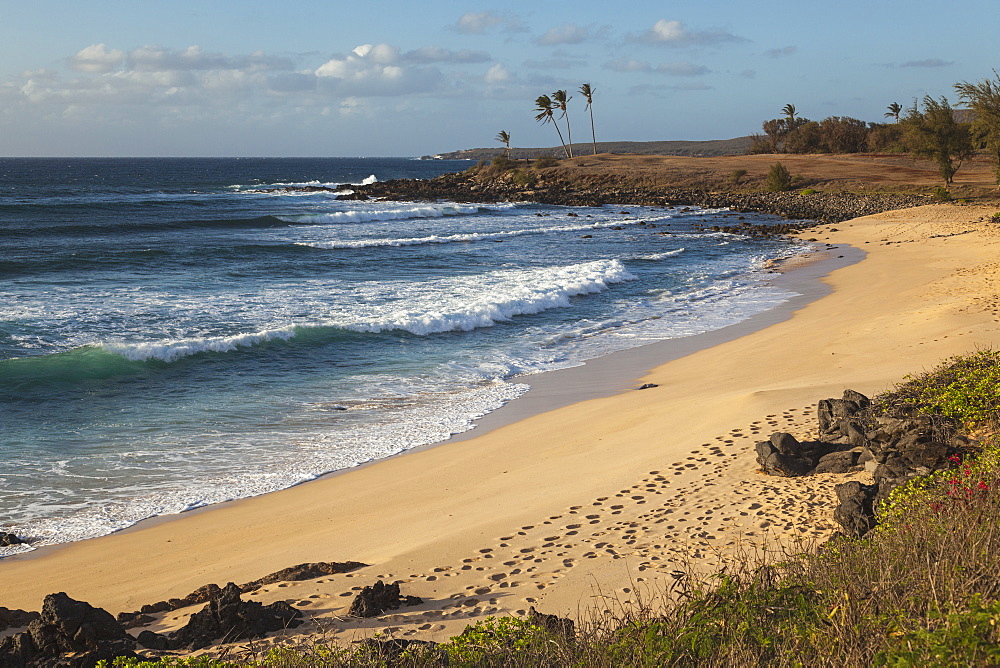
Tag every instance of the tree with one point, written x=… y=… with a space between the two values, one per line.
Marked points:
x=588 y=93
x=983 y=99
x=893 y=111
x=776 y=129
x=789 y=111
x=843 y=134
x=934 y=133
x=504 y=138
x=546 y=108
x=778 y=178
x=560 y=99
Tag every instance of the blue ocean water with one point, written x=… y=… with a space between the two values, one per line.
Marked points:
x=174 y=334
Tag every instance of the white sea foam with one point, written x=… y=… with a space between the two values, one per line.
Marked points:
x=456 y=304
x=458 y=238
x=169 y=351
x=369 y=215
x=421 y=422
x=661 y=256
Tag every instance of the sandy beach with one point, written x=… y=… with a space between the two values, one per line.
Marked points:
x=586 y=503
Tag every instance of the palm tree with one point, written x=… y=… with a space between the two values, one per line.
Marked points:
x=789 y=110
x=893 y=111
x=504 y=138
x=560 y=99
x=545 y=108
x=588 y=93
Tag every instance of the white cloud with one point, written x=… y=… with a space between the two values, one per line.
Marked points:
x=497 y=74
x=567 y=33
x=375 y=70
x=474 y=23
x=673 y=33
x=96 y=58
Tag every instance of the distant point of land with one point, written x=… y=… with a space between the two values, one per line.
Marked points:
x=714 y=147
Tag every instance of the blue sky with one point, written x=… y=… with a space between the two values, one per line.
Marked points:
x=387 y=77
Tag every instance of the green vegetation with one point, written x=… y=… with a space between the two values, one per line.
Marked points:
x=504 y=138
x=836 y=134
x=920 y=590
x=546 y=114
x=736 y=176
x=983 y=99
x=808 y=191
x=560 y=99
x=933 y=133
x=778 y=178
x=544 y=161
x=965 y=388
x=588 y=94
x=941 y=194
x=893 y=111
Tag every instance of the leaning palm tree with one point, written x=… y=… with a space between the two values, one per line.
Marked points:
x=588 y=93
x=546 y=108
x=504 y=138
x=789 y=111
x=893 y=111
x=560 y=99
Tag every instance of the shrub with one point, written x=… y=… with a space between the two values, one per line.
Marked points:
x=493 y=640
x=524 y=178
x=808 y=191
x=502 y=163
x=941 y=194
x=736 y=176
x=543 y=161
x=778 y=178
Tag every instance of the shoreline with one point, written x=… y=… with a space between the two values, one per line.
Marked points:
x=594 y=378
x=610 y=491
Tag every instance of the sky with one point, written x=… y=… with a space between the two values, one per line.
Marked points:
x=397 y=78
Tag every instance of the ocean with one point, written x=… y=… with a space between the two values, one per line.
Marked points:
x=174 y=333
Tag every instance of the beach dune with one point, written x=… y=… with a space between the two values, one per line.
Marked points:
x=592 y=502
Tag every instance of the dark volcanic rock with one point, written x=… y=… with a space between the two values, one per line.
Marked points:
x=835 y=418
x=856 y=509
x=783 y=455
x=378 y=599
x=67 y=633
x=306 y=571
x=561 y=626
x=157 y=641
x=837 y=462
x=551 y=189
x=8 y=539
x=209 y=592
x=228 y=618
x=12 y=619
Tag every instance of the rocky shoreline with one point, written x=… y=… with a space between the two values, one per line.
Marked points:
x=821 y=207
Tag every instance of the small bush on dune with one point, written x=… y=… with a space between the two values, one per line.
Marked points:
x=736 y=176
x=778 y=178
x=941 y=194
x=544 y=161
